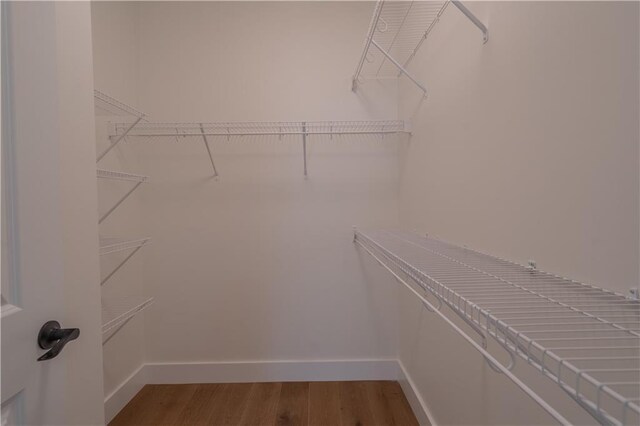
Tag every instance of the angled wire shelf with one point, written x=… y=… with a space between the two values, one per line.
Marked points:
x=106 y=105
x=110 y=174
x=121 y=176
x=110 y=245
x=584 y=338
x=116 y=312
x=234 y=130
x=110 y=106
x=396 y=32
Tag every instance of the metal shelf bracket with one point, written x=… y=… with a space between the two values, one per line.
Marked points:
x=107 y=174
x=118 y=139
x=472 y=18
x=119 y=245
x=206 y=144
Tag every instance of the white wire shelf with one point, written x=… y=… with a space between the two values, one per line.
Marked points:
x=110 y=245
x=273 y=128
x=396 y=32
x=109 y=106
x=128 y=177
x=118 y=311
x=584 y=338
x=235 y=130
x=110 y=174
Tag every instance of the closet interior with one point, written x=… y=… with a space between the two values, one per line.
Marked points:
x=387 y=228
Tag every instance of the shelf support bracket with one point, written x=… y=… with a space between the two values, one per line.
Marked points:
x=304 y=147
x=121 y=264
x=116 y=205
x=118 y=139
x=472 y=18
x=369 y=39
x=400 y=67
x=115 y=331
x=206 y=144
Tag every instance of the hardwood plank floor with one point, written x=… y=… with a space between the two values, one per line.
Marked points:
x=364 y=403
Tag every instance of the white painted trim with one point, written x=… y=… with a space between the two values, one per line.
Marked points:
x=272 y=371
x=419 y=407
x=116 y=400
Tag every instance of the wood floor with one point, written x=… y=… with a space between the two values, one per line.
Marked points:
x=302 y=403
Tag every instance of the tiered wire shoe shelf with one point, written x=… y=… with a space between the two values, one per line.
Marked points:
x=396 y=32
x=117 y=312
x=109 y=245
x=105 y=105
x=233 y=131
x=584 y=338
x=137 y=180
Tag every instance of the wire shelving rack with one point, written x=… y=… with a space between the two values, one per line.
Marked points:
x=233 y=131
x=110 y=245
x=265 y=128
x=396 y=33
x=128 y=177
x=106 y=105
x=116 y=312
x=111 y=174
x=584 y=338
x=110 y=106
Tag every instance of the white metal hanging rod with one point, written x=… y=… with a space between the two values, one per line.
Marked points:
x=424 y=260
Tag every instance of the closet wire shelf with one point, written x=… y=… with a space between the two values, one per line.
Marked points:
x=121 y=176
x=110 y=106
x=110 y=174
x=229 y=130
x=584 y=338
x=110 y=245
x=106 y=105
x=118 y=311
x=396 y=33
x=272 y=128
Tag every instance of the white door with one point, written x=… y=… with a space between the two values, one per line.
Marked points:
x=49 y=224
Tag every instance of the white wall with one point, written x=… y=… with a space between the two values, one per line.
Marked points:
x=114 y=28
x=527 y=148
x=259 y=264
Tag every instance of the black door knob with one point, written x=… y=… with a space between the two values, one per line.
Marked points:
x=51 y=336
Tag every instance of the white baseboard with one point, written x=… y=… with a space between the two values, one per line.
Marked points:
x=267 y=371
x=116 y=400
x=419 y=407
x=272 y=371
